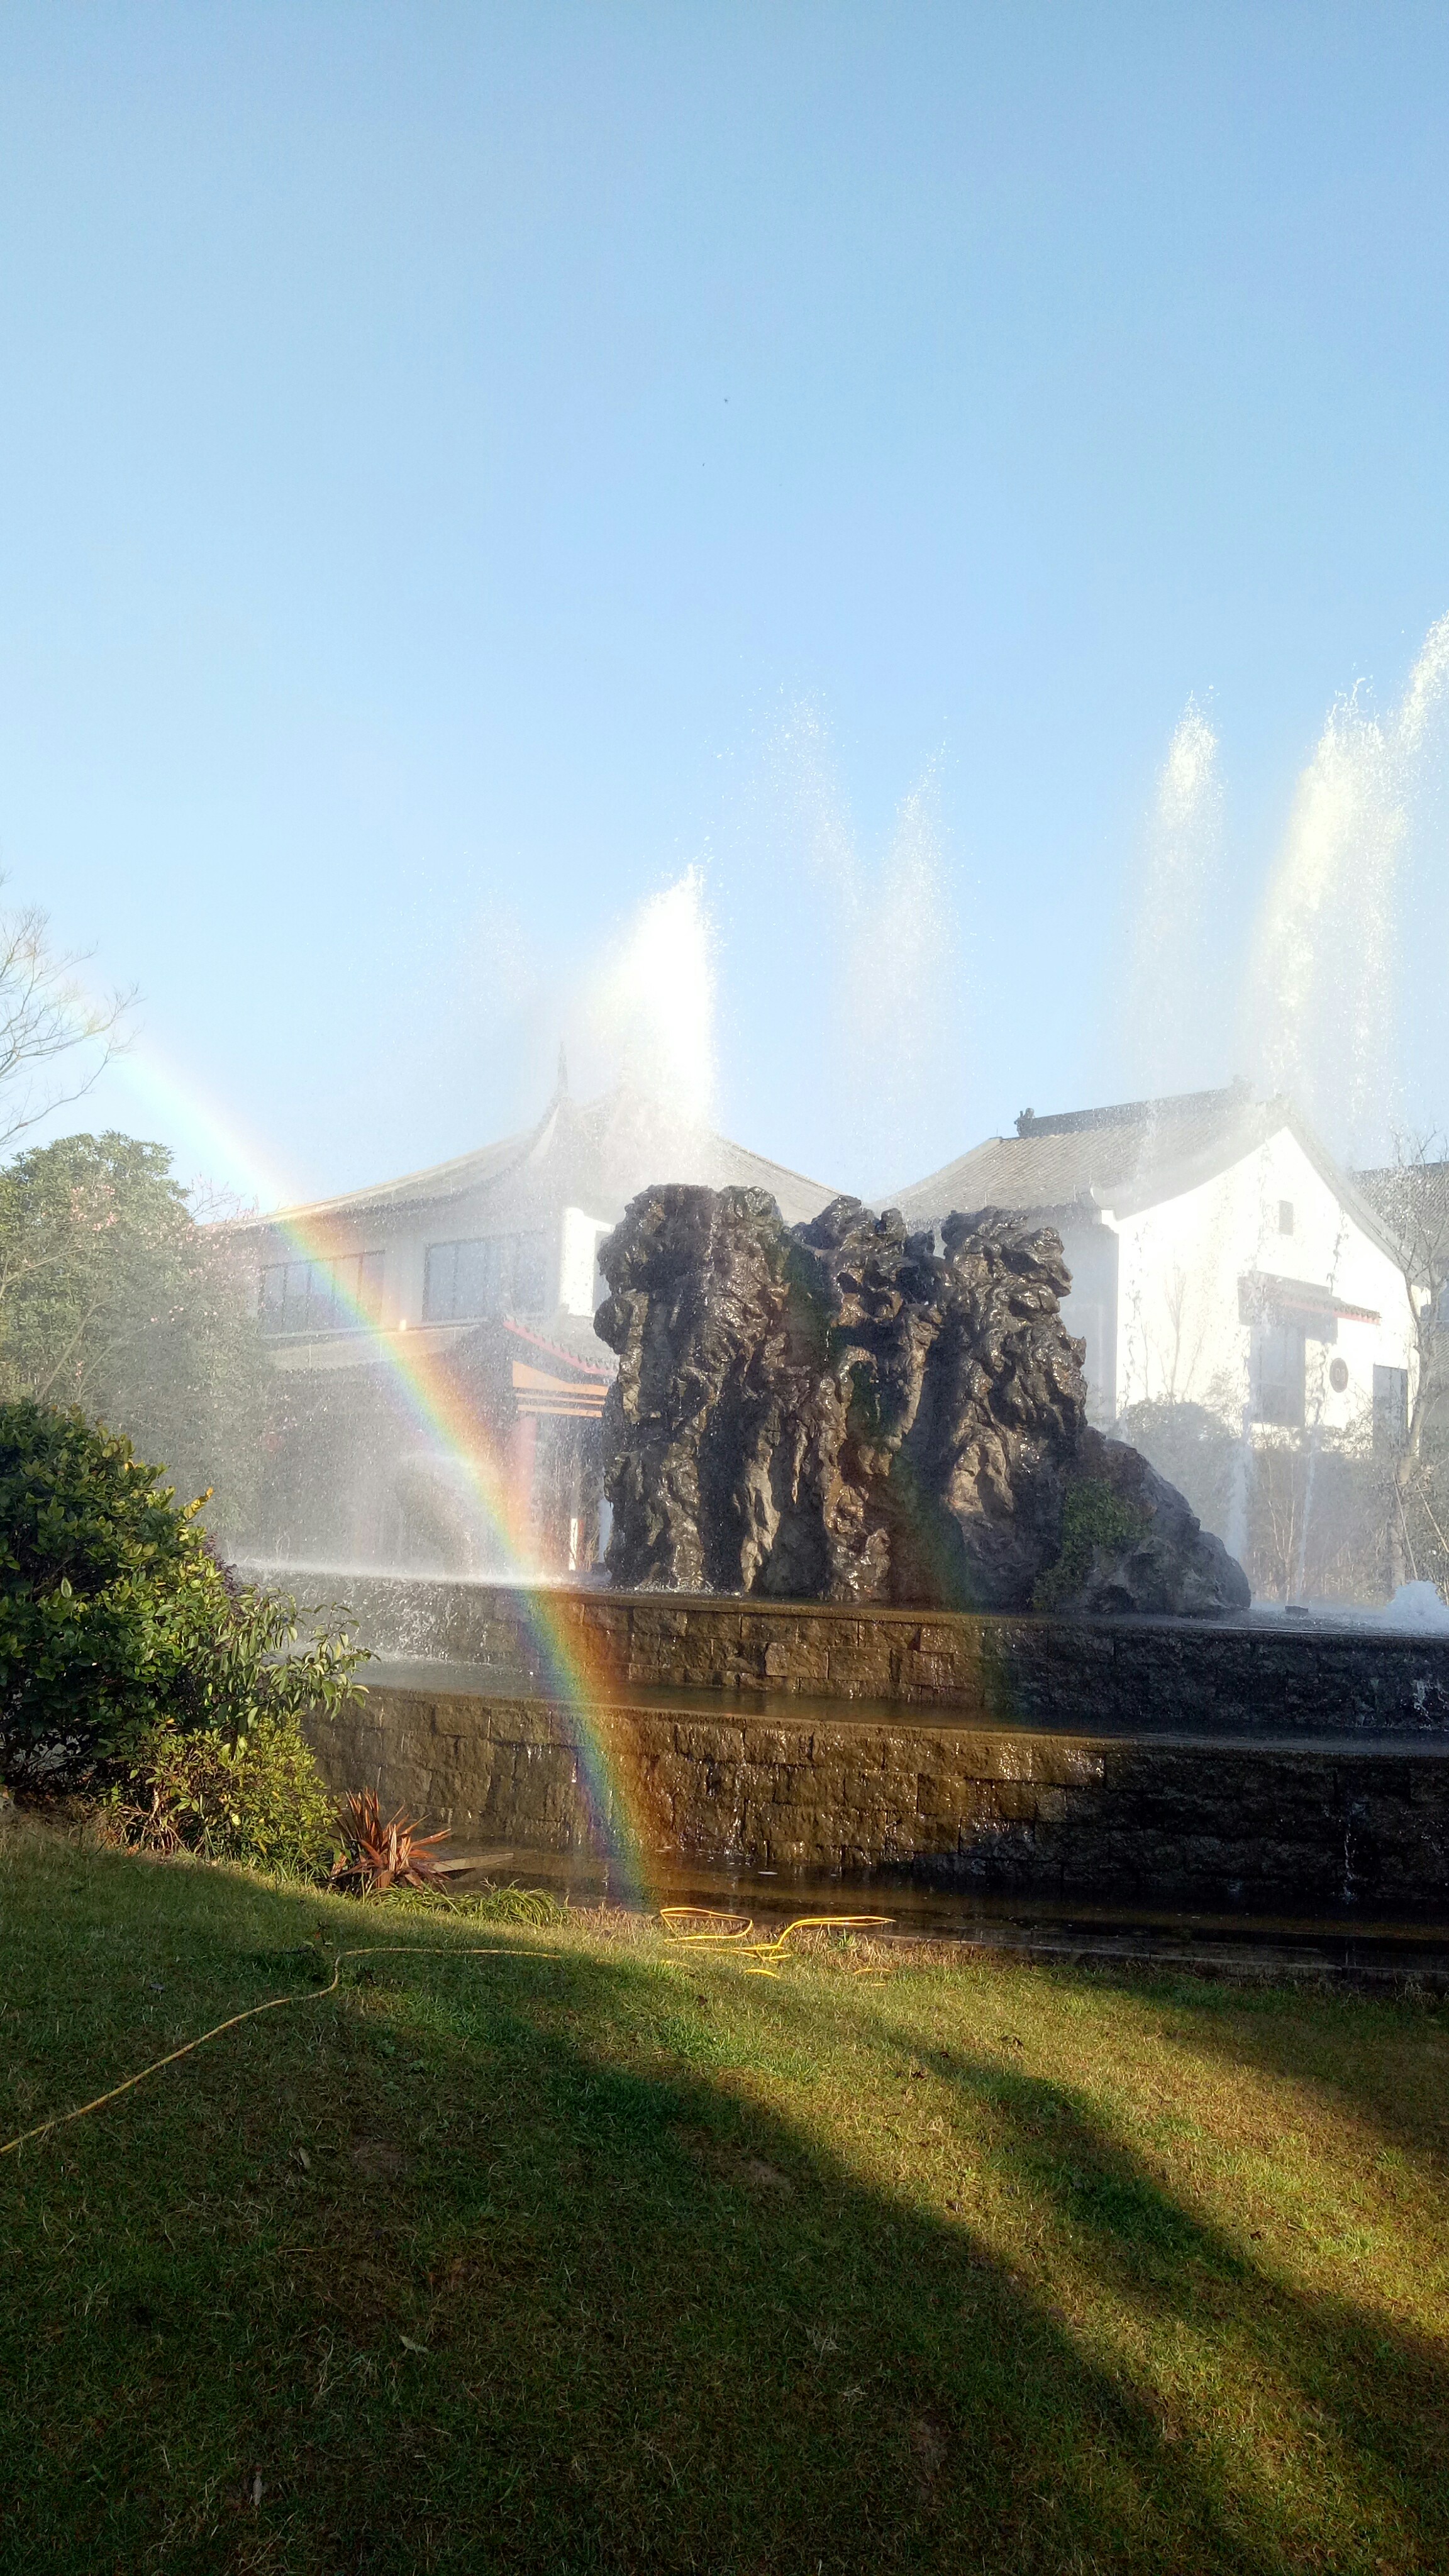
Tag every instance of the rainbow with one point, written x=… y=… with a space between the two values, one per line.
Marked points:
x=450 y=1429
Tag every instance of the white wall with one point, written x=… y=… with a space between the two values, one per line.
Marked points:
x=576 y=1237
x=1090 y=1312
x=578 y=1259
x=1180 y=1334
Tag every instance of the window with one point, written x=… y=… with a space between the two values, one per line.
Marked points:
x=1278 y=1374
x=1338 y=1376
x=1285 y=1216
x=463 y=1279
x=497 y=1274
x=530 y=1274
x=339 y=1296
x=1391 y=1407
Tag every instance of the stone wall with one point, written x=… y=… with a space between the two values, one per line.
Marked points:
x=967 y=1804
x=1127 y=1675
x=1128 y=1759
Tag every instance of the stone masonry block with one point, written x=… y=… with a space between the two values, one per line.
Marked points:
x=860 y=1676
x=703 y=1743
x=773 y=1744
x=1268 y=1745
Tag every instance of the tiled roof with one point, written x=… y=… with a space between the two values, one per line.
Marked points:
x=1412 y=1200
x=1139 y=1149
x=1393 y=1185
x=596 y=1154
x=1133 y=1156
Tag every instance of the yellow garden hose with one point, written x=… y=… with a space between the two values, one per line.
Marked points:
x=274 y=2003
x=689 y=1925
x=695 y=1927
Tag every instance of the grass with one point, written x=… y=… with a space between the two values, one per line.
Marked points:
x=618 y=2258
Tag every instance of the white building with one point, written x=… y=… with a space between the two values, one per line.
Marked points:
x=463 y=1296
x=1218 y=1257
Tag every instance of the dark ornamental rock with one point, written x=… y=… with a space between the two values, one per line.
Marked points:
x=1167 y=1562
x=837 y=1411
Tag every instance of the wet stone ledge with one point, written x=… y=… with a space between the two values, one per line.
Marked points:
x=957 y=1803
x=1244 y=1762
x=1122 y=1675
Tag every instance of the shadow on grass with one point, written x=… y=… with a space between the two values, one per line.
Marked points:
x=498 y=2264
x=1369 y=2054
x=1359 y=2386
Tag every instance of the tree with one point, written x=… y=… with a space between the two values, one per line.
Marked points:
x=1411 y=1196
x=114 y=1299
x=46 y=1018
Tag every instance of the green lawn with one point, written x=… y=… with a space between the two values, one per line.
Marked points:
x=620 y=2258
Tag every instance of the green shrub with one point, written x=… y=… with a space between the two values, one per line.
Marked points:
x=122 y=1637
x=255 y=1796
x=245 y=1655
x=95 y=1561
x=1093 y=1517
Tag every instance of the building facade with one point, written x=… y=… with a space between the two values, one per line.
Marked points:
x=439 y=1382
x=1219 y=1258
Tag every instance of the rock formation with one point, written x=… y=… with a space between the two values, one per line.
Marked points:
x=838 y=1411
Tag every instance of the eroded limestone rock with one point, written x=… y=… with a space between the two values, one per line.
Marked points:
x=838 y=1411
x=1171 y=1563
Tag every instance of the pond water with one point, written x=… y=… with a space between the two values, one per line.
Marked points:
x=1387 y=1952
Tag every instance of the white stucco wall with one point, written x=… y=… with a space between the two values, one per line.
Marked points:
x=573 y=1235
x=1180 y=1333
x=578 y=1257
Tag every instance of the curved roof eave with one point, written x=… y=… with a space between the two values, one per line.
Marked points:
x=489 y=1163
x=1270 y=1118
x=1173 y=1179
x=437 y=1181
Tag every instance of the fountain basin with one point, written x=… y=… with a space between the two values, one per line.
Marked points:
x=1239 y=1763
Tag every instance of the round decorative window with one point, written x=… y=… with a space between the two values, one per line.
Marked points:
x=1338 y=1375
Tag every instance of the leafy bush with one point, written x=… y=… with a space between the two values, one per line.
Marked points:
x=122 y=1636
x=1093 y=1516
x=255 y=1796
x=95 y=1562
x=242 y=1656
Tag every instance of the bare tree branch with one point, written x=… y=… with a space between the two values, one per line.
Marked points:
x=46 y=1016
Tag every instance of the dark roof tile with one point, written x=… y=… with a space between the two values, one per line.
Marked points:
x=1140 y=1149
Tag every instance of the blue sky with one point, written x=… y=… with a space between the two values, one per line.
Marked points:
x=460 y=468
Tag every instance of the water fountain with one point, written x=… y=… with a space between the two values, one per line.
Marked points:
x=940 y=1708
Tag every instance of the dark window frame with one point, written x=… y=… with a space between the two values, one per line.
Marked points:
x=1280 y=1375
x=333 y=1293
x=502 y=1275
